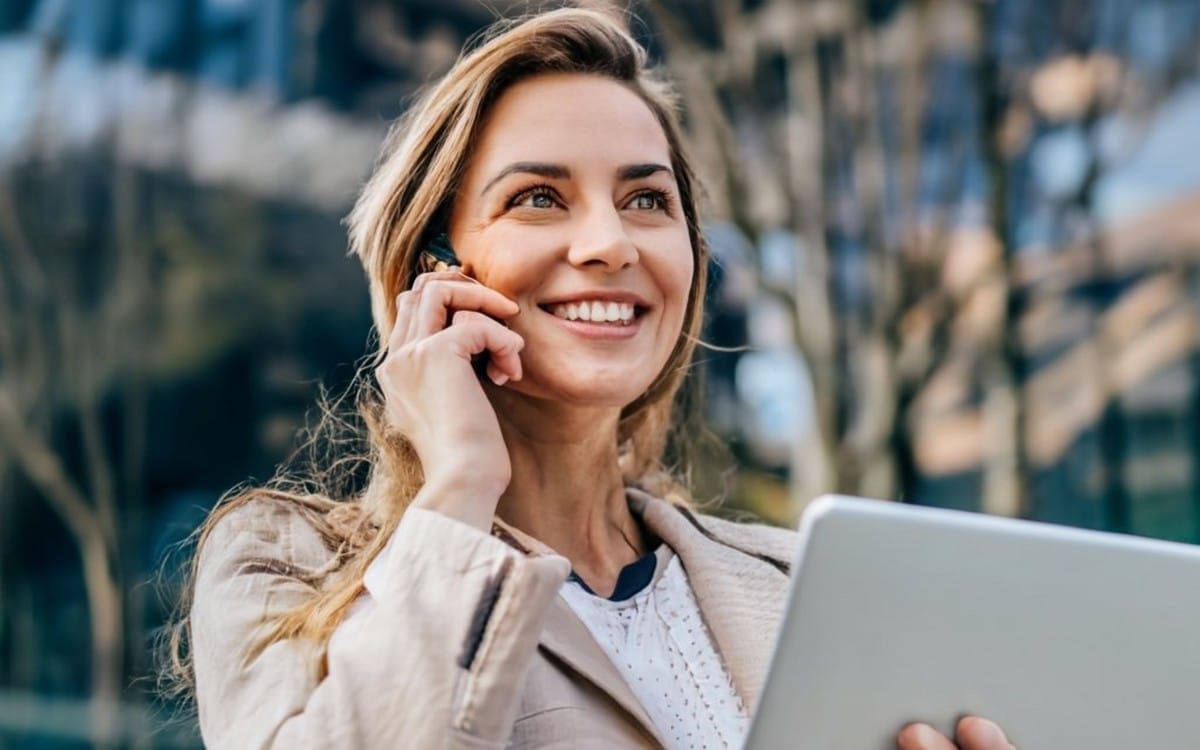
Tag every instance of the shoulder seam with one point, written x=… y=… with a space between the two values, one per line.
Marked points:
x=783 y=566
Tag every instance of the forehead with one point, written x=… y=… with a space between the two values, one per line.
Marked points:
x=570 y=119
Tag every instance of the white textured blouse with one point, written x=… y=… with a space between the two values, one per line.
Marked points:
x=659 y=643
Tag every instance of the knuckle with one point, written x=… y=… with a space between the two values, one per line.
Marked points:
x=418 y=292
x=421 y=282
x=427 y=282
x=403 y=304
x=438 y=294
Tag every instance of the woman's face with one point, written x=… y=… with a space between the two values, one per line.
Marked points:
x=569 y=206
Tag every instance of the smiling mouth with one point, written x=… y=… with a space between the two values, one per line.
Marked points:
x=595 y=311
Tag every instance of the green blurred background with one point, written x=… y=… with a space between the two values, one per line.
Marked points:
x=955 y=258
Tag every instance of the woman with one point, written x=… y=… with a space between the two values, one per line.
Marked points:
x=521 y=570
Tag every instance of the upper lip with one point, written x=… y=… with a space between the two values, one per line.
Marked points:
x=597 y=295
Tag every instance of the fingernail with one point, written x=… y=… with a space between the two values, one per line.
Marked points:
x=985 y=730
x=499 y=379
x=921 y=733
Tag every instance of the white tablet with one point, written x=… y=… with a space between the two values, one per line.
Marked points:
x=1066 y=638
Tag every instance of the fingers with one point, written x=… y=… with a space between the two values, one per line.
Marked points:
x=977 y=733
x=442 y=289
x=922 y=737
x=474 y=333
x=435 y=299
x=422 y=314
x=405 y=306
x=972 y=733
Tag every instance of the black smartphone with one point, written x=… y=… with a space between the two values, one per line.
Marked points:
x=438 y=255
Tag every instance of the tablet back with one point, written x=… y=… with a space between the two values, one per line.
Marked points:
x=1066 y=638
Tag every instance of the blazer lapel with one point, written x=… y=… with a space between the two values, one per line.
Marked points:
x=566 y=637
x=741 y=597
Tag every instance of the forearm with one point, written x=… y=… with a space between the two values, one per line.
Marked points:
x=435 y=657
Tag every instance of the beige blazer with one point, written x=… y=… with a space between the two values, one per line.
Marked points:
x=467 y=645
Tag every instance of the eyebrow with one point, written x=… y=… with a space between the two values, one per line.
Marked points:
x=549 y=171
x=638 y=171
x=559 y=172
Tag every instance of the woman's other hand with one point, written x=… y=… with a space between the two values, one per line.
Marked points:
x=434 y=397
x=972 y=733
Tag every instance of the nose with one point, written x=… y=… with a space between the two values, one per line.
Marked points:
x=601 y=241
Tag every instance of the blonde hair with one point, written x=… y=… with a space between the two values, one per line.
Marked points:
x=402 y=207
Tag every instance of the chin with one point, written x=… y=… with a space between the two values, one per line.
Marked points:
x=586 y=378
x=607 y=391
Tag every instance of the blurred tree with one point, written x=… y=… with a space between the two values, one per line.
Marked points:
x=902 y=152
x=71 y=329
x=791 y=109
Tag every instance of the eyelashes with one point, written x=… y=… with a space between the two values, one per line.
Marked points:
x=548 y=197
x=662 y=199
x=534 y=193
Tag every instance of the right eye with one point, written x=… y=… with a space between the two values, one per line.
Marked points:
x=540 y=197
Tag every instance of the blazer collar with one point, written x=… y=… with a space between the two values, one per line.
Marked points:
x=740 y=596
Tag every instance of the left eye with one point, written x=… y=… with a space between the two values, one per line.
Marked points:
x=647 y=201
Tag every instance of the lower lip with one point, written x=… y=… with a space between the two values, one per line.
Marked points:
x=599 y=331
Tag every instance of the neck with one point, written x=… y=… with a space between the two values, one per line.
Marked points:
x=566 y=488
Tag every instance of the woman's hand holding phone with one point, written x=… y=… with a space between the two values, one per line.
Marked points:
x=434 y=396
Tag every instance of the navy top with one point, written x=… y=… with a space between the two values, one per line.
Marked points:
x=633 y=578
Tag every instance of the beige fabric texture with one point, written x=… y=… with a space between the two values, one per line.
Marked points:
x=538 y=678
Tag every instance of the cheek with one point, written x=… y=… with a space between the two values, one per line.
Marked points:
x=676 y=273
x=686 y=275
x=506 y=272
x=507 y=259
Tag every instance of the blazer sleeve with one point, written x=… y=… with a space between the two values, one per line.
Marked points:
x=437 y=659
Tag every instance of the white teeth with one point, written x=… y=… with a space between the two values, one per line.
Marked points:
x=607 y=312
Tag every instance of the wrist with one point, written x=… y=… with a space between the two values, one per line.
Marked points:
x=463 y=496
